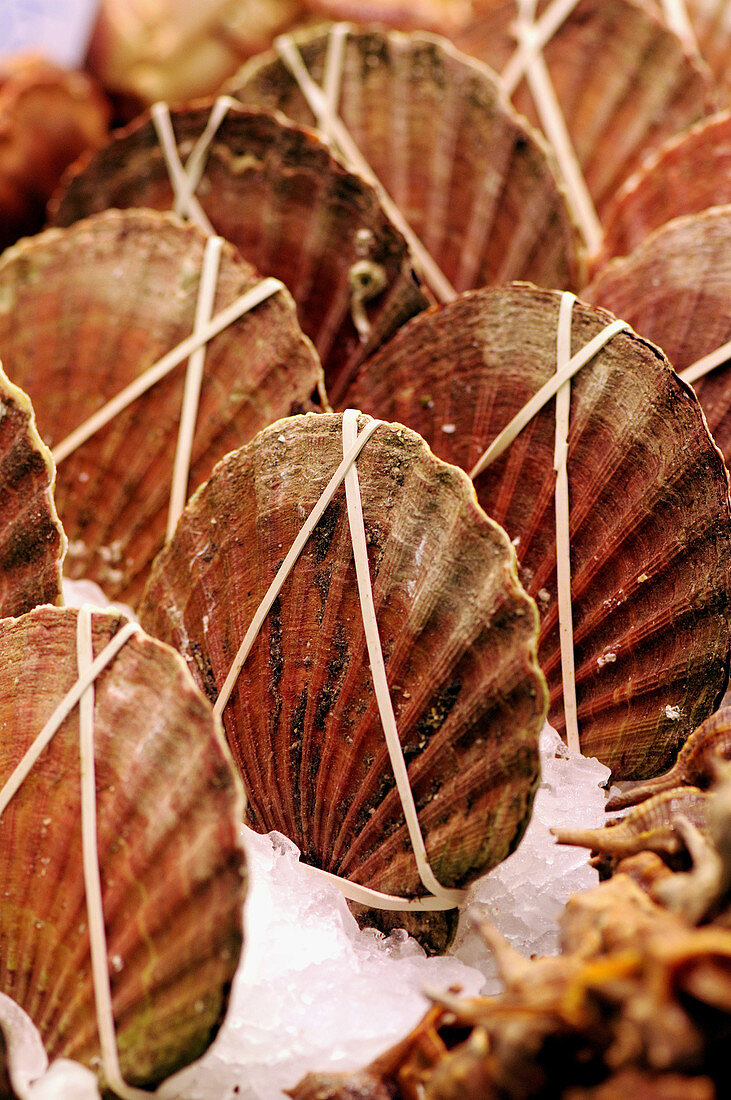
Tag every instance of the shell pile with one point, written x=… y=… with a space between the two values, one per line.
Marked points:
x=362 y=219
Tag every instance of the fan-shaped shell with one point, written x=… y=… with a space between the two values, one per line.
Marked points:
x=292 y=210
x=458 y=636
x=622 y=79
x=675 y=288
x=475 y=183
x=32 y=542
x=83 y=312
x=650 y=529
x=688 y=174
x=170 y=858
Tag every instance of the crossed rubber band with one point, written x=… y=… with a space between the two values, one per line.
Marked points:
x=442 y=898
x=558 y=386
x=82 y=693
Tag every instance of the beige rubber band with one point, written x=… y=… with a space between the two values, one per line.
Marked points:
x=82 y=693
x=709 y=362
x=443 y=898
x=246 y=302
x=678 y=20
x=193 y=383
x=542 y=31
x=563 y=543
x=334 y=128
x=160 y=115
x=196 y=162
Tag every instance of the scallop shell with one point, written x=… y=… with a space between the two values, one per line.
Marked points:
x=276 y=192
x=622 y=79
x=649 y=508
x=171 y=863
x=476 y=184
x=32 y=541
x=686 y=175
x=83 y=312
x=675 y=288
x=458 y=636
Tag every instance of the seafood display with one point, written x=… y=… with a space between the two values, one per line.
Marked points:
x=276 y=192
x=640 y=463
x=32 y=542
x=84 y=314
x=477 y=184
x=170 y=863
x=458 y=638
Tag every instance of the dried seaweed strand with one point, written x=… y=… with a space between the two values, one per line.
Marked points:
x=442 y=898
x=708 y=363
x=82 y=692
x=246 y=302
x=333 y=126
x=528 y=61
x=193 y=382
x=563 y=543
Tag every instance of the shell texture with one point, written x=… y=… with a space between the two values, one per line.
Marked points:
x=476 y=184
x=458 y=636
x=83 y=312
x=275 y=191
x=686 y=175
x=32 y=541
x=170 y=857
x=675 y=289
x=623 y=80
x=648 y=505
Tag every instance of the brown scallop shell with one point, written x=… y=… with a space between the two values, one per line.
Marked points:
x=32 y=541
x=686 y=175
x=622 y=79
x=83 y=312
x=276 y=192
x=477 y=185
x=458 y=636
x=170 y=857
x=650 y=517
x=675 y=289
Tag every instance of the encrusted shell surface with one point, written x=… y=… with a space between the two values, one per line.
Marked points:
x=675 y=289
x=650 y=526
x=170 y=857
x=474 y=181
x=275 y=191
x=458 y=636
x=32 y=541
x=688 y=174
x=83 y=312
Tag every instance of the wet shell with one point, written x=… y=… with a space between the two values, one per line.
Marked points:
x=32 y=542
x=83 y=312
x=458 y=636
x=688 y=174
x=675 y=289
x=276 y=192
x=475 y=183
x=170 y=857
x=649 y=509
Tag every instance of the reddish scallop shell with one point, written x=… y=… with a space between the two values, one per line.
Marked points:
x=688 y=174
x=475 y=183
x=650 y=519
x=171 y=863
x=83 y=312
x=275 y=191
x=32 y=541
x=675 y=288
x=458 y=636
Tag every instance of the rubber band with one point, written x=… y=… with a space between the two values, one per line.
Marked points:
x=334 y=128
x=563 y=544
x=246 y=302
x=353 y=443
x=193 y=383
x=196 y=162
x=709 y=362
x=678 y=20
x=542 y=31
x=160 y=115
x=82 y=693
